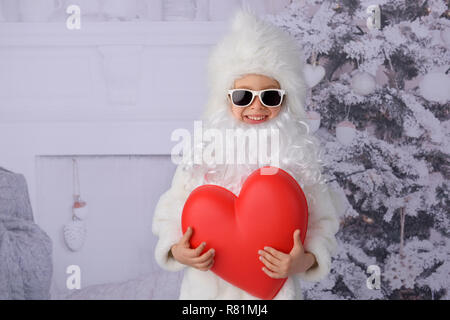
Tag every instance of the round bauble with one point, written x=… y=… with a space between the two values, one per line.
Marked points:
x=345 y=132
x=435 y=87
x=313 y=121
x=363 y=83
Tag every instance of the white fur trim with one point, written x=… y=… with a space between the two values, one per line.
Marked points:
x=171 y=236
x=320 y=237
x=167 y=221
x=206 y=285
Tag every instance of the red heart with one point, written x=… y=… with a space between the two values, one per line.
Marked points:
x=267 y=212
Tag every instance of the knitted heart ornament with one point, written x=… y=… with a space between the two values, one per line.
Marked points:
x=75 y=234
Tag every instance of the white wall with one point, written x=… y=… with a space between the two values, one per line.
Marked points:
x=90 y=100
x=109 y=94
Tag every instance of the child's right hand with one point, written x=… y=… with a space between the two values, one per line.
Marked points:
x=182 y=252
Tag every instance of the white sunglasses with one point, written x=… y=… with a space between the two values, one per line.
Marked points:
x=270 y=98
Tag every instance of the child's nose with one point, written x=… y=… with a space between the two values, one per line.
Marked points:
x=256 y=104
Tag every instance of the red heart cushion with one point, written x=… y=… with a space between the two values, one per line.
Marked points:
x=267 y=212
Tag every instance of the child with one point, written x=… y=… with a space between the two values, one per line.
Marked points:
x=255 y=55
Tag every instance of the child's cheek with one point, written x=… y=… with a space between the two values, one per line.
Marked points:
x=237 y=112
x=274 y=113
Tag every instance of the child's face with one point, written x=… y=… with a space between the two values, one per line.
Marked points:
x=256 y=110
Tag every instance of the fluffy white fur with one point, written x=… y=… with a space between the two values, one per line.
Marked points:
x=252 y=46
x=256 y=46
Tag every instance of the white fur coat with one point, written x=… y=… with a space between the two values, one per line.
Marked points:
x=320 y=240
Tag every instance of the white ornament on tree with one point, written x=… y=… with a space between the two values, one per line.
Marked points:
x=363 y=83
x=345 y=132
x=313 y=121
x=435 y=87
x=313 y=74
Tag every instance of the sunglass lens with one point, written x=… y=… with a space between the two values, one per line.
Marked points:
x=271 y=97
x=242 y=97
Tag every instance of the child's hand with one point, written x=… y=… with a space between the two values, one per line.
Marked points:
x=280 y=265
x=191 y=257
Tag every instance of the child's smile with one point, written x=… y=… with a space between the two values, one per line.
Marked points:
x=255 y=118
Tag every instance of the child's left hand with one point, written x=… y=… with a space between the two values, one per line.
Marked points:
x=280 y=265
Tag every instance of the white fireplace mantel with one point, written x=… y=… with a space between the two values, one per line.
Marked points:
x=178 y=33
x=106 y=71
x=110 y=88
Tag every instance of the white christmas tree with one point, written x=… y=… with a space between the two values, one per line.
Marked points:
x=382 y=96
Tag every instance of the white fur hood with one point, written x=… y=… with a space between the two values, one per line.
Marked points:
x=257 y=46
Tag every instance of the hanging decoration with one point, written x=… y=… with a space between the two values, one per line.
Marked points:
x=313 y=121
x=374 y=20
x=345 y=130
x=75 y=231
x=363 y=83
x=435 y=87
x=75 y=234
x=313 y=73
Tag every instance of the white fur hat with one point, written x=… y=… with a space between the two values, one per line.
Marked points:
x=256 y=46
